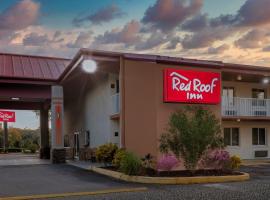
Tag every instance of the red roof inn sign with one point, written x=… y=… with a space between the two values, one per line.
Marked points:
x=7 y=116
x=188 y=86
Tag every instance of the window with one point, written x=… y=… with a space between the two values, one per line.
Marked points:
x=259 y=95
x=258 y=136
x=228 y=93
x=231 y=136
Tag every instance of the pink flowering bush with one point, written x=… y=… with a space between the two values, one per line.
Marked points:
x=216 y=159
x=167 y=162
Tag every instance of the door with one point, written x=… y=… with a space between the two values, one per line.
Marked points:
x=76 y=145
x=228 y=93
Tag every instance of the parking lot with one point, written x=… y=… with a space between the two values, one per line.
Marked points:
x=44 y=178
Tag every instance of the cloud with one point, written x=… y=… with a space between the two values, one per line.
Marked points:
x=174 y=42
x=83 y=40
x=34 y=39
x=39 y=50
x=266 y=49
x=218 y=50
x=256 y=38
x=101 y=16
x=205 y=38
x=20 y=15
x=166 y=15
x=254 y=13
x=155 y=39
x=223 y=20
x=196 y=23
x=128 y=35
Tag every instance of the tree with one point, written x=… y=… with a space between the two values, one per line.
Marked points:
x=191 y=132
x=14 y=137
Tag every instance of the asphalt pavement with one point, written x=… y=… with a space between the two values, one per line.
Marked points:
x=36 y=179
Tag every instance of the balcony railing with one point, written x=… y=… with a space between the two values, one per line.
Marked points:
x=246 y=107
x=115 y=104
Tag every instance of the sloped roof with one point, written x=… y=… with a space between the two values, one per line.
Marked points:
x=13 y=66
x=223 y=66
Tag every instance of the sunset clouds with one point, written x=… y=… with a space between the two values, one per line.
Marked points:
x=184 y=28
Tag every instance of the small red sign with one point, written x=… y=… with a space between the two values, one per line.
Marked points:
x=188 y=86
x=7 y=116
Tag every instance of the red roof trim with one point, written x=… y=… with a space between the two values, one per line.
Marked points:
x=26 y=67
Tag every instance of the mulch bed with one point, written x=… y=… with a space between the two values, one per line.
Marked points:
x=182 y=173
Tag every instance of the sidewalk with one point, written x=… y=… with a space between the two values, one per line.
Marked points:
x=86 y=165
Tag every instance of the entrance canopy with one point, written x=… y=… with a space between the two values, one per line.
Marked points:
x=25 y=81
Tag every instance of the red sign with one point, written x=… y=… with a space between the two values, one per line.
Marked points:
x=7 y=116
x=191 y=86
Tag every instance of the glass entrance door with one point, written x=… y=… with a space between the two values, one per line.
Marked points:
x=76 y=145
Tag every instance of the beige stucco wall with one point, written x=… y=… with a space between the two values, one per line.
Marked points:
x=245 y=149
x=146 y=115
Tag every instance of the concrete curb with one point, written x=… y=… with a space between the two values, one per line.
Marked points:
x=172 y=180
x=72 y=194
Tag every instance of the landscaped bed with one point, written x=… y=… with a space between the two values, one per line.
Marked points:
x=234 y=177
x=192 y=142
x=181 y=173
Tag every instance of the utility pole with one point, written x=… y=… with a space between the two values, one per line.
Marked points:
x=5 y=145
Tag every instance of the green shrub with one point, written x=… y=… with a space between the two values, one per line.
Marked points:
x=105 y=153
x=148 y=161
x=130 y=164
x=33 y=148
x=191 y=132
x=118 y=157
x=235 y=162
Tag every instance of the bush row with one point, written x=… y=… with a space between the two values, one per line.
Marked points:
x=130 y=164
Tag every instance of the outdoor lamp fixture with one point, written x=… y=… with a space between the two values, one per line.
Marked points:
x=89 y=66
x=265 y=80
x=239 y=77
x=15 y=99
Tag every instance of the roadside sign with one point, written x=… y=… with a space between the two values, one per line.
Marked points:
x=189 y=86
x=7 y=116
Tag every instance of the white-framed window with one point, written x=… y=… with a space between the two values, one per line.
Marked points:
x=228 y=92
x=231 y=136
x=259 y=136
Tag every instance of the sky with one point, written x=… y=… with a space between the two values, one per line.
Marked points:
x=228 y=30
x=236 y=31
x=25 y=119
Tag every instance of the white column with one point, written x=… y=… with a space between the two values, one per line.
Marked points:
x=57 y=122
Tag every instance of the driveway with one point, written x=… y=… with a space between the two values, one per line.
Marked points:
x=52 y=179
x=21 y=159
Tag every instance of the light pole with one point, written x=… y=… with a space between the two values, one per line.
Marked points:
x=5 y=138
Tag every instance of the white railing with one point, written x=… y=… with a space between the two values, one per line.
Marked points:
x=248 y=107
x=115 y=104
